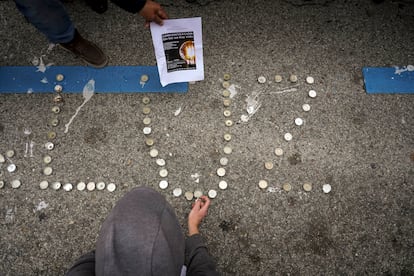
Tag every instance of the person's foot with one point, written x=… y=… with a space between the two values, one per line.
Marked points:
x=86 y=50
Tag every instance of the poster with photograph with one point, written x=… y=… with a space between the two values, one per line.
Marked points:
x=178 y=48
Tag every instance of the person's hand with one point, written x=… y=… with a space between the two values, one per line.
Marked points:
x=153 y=11
x=198 y=212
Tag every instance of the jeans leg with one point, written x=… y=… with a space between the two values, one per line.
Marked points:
x=49 y=17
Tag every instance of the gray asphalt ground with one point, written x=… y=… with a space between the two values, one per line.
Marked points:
x=362 y=145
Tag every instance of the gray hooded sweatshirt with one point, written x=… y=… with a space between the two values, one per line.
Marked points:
x=142 y=236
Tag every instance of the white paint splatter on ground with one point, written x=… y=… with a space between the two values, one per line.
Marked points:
x=88 y=92
x=178 y=111
x=9 y=218
x=41 y=67
x=44 y=80
x=35 y=61
x=273 y=190
x=196 y=177
x=42 y=205
x=408 y=68
x=50 y=47
x=285 y=90
x=39 y=62
x=233 y=90
x=252 y=106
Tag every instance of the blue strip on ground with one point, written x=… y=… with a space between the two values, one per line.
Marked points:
x=111 y=79
x=385 y=80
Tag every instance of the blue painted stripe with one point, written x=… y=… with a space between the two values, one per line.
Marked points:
x=111 y=79
x=385 y=80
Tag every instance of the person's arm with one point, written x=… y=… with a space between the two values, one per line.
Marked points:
x=150 y=10
x=84 y=266
x=198 y=260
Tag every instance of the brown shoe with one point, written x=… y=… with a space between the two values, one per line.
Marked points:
x=86 y=50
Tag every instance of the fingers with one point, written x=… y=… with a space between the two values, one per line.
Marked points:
x=198 y=212
x=162 y=14
x=201 y=205
x=206 y=202
x=157 y=19
x=197 y=205
x=153 y=12
x=205 y=198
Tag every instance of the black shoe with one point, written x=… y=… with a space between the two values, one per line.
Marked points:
x=99 y=6
x=86 y=50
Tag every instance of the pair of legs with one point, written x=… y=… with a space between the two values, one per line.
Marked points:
x=51 y=18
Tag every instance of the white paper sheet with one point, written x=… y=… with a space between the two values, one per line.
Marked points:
x=178 y=46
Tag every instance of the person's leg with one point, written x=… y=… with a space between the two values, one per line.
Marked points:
x=51 y=18
x=141 y=235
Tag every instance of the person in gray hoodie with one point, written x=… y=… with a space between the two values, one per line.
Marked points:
x=142 y=236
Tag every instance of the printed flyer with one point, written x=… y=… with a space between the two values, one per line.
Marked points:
x=178 y=48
